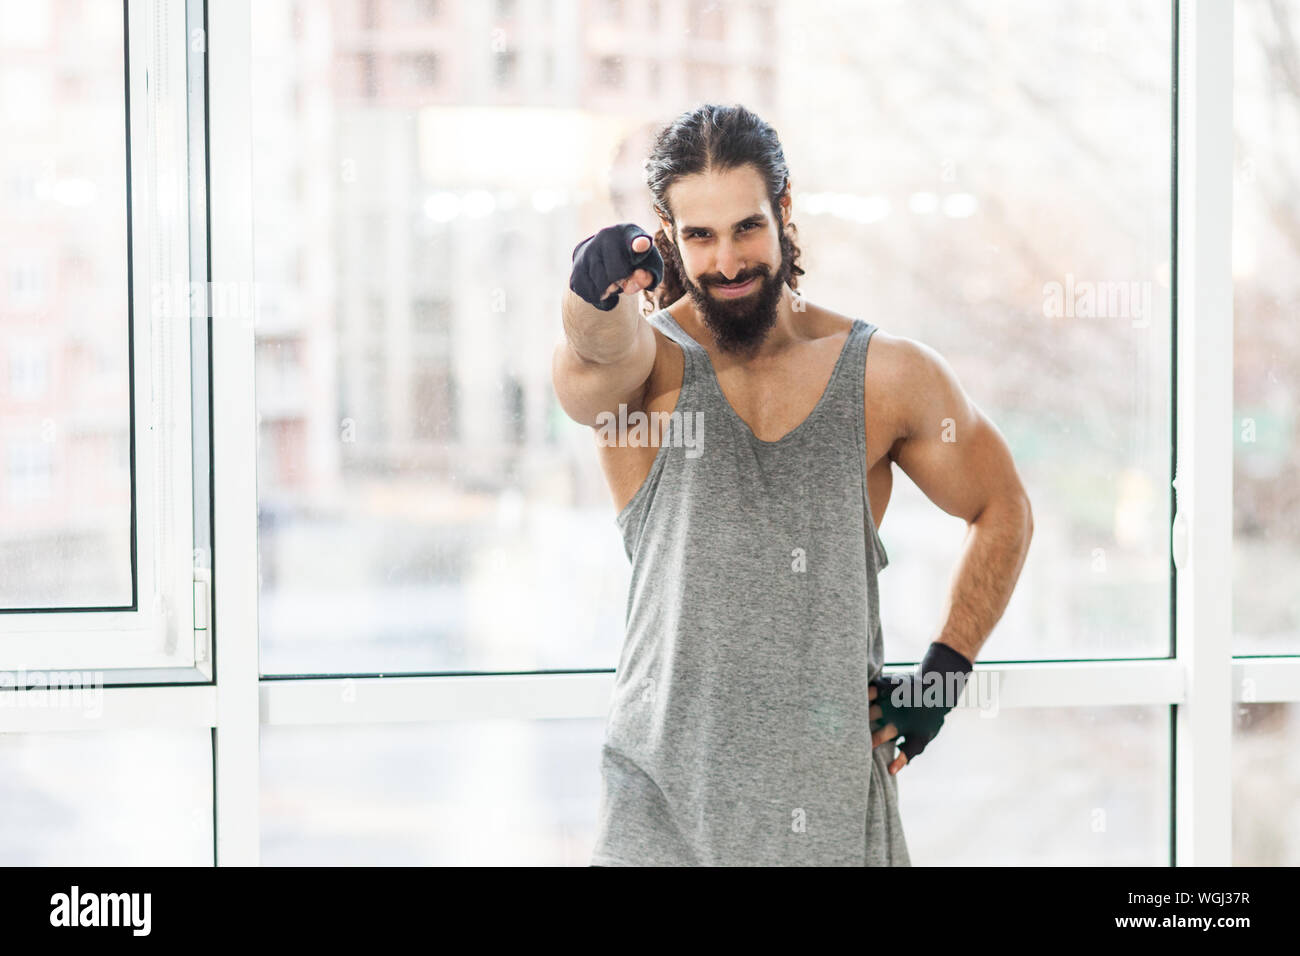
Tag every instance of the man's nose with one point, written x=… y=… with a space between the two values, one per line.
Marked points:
x=729 y=265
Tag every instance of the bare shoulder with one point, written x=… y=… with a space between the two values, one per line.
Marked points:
x=907 y=382
x=896 y=360
x=824 y=323
x=665 y=382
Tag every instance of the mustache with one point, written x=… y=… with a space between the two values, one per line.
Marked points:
x=739 y=280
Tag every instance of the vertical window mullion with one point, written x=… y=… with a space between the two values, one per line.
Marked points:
x=234 y=437
x=1202 y=531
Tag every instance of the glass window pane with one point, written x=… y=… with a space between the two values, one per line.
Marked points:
x=464 y=793
x=1266 y=785
x=65 y=447
x=1266 y=348
x=994 y=186
x=106 y=798
x=998 y=187
x=1041 y=786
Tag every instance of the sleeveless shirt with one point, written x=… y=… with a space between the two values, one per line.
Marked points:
x=738 y=732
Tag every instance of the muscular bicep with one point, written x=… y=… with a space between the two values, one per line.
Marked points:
x=949 y=448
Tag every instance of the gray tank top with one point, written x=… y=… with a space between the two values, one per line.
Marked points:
x=738 y=731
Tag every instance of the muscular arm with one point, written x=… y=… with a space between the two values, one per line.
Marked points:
x=605 y=358
x=959 y=459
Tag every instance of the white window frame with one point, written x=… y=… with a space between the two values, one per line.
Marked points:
x=157 y=640
x=1201 y=533
x=1201 y=683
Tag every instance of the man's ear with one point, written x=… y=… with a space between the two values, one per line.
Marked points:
x=785 y=201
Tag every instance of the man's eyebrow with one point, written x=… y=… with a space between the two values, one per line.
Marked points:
x=758 y=217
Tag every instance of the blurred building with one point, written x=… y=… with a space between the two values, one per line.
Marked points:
x=65 y=425
x=412 y=275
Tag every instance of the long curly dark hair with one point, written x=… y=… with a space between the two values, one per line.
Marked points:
x=713 y=137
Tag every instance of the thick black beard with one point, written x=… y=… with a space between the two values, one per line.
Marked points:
x=739 y=326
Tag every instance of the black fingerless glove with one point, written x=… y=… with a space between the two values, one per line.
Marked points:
x=607 y=257
x=916 y=703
